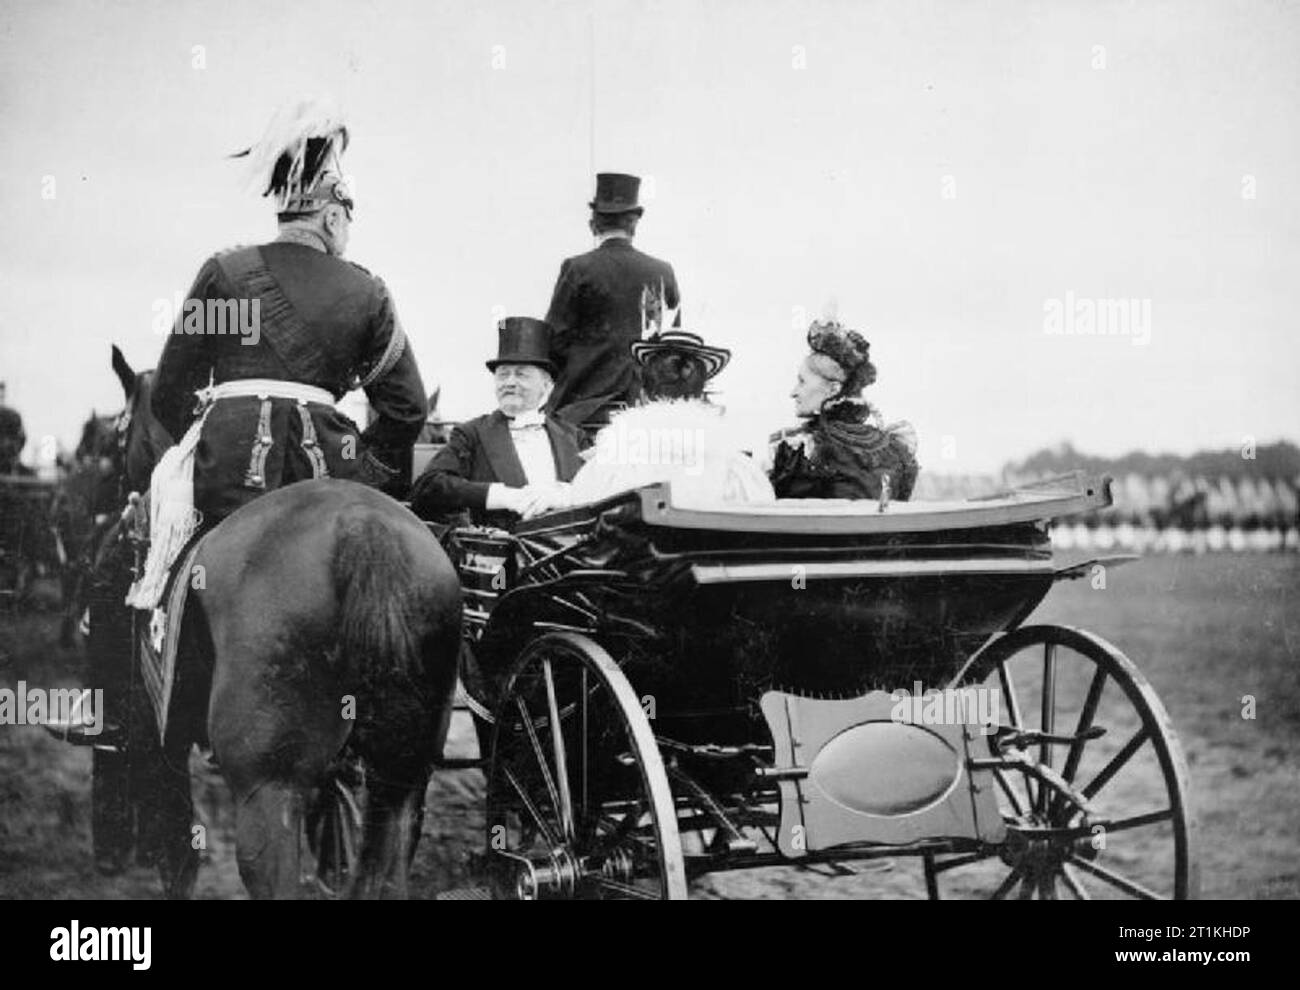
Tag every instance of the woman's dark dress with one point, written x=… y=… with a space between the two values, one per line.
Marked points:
x=849 y=456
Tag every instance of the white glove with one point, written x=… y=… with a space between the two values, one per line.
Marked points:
x=529 y=501
x=540 y=499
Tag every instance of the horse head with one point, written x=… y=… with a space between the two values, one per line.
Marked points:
x=141 y=437
x=98 y=446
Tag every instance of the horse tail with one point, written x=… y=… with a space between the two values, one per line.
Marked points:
x=373 y=578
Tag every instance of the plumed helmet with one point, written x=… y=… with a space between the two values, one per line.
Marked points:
x=298 y=160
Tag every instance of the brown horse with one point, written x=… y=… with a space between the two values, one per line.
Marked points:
x=326 y=617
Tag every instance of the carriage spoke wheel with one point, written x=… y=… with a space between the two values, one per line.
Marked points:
x=1119 y=756
x=578 y=803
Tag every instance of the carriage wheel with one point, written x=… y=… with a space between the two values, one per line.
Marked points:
x=1136 y=839
x=585 y=811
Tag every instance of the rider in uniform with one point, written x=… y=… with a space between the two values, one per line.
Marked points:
x=325 y=327
x=297 y=327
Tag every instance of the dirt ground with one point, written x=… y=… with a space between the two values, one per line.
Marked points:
x=1206 y=631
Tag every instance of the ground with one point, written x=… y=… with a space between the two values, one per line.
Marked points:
x=1206 y=631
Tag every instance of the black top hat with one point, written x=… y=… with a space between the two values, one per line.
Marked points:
x=616 y=193
x=523 y=340
x=714 y=359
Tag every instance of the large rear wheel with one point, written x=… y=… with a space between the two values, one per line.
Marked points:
x=578 y=803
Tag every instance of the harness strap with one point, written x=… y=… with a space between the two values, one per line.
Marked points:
x=281 y=327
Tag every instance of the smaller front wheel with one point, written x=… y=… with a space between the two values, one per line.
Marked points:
x=578 y=803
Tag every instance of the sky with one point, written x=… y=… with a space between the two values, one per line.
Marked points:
x=957 y=180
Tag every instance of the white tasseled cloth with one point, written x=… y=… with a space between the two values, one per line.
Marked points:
x=172 y=517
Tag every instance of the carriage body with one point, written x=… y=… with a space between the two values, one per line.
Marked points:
x=761 y=654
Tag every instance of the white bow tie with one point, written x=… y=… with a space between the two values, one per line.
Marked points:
x=528 y=420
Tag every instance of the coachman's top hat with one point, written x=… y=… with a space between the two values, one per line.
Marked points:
x=523 y=340
x=616 y=193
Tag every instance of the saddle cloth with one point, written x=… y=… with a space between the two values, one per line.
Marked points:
x=158 y=641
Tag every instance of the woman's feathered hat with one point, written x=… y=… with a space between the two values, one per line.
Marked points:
x=299 y=158
x=848 y=349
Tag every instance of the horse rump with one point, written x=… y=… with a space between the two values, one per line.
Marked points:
x=398 y=632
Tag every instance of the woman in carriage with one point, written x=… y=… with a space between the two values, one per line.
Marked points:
x=841 y=450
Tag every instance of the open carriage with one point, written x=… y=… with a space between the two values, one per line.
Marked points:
x=676 y=691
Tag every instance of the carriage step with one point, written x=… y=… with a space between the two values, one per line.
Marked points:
x=465 y=894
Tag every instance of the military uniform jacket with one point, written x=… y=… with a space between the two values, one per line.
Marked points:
x=342 y=330
x=596 y=315
x=479 y=453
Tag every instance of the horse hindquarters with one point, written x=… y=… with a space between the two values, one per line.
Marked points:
x=334 y=619
x=399 y=630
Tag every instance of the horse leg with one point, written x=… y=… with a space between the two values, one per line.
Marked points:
x=168 y=811
x=268 y=823
x=394 y=817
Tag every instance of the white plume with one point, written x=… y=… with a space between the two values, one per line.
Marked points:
x=287 y=133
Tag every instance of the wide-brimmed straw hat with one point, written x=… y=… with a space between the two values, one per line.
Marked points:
x=683 y=342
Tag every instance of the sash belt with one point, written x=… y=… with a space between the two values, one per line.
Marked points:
x=172 y=518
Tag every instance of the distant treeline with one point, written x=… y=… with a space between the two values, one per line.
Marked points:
x=1275 y=461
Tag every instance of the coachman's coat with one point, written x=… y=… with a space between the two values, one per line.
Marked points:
x=596 y=315
x=341 y=328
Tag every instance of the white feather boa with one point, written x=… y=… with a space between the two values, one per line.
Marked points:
x=684 y=442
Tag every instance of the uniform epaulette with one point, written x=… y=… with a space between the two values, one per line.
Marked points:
x=230 y=250
x=362 y=268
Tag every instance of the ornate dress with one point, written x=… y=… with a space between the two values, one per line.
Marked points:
x=842 y=453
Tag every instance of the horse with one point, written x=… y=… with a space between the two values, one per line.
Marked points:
x=328 y=617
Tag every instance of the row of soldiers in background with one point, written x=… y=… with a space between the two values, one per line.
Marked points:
x=1190 y=515
x=1158 y=514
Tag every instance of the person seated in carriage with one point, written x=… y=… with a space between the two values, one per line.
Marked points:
x=841 y=450
x=515 y=462
x=677 y=364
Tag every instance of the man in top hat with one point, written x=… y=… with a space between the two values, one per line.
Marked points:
x=676 y=364
x=602 y=304
x=516 y=461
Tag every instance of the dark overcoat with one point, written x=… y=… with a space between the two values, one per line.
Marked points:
x=595 y=313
